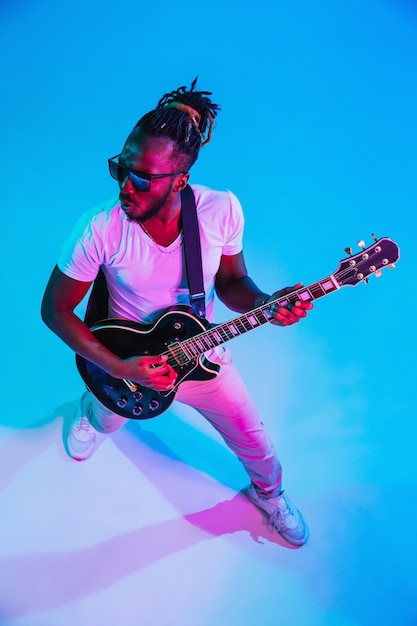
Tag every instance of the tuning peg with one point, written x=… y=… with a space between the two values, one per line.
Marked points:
x=366 y=281
x=361 y=244
x=391 y=266
x=348 y=251
x=378 y=273
x=374 y=237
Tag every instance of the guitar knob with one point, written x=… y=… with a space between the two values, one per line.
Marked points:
x=137 y=410
x=153 y=404
x=138 y=395
x=122 y=401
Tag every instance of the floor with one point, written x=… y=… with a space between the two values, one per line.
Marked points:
x=154 y=529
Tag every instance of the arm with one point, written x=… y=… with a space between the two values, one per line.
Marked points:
x=238 y=292
x=61 y=296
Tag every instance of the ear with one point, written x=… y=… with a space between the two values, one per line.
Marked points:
x=181 y=182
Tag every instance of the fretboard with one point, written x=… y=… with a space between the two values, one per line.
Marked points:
x=217 y=335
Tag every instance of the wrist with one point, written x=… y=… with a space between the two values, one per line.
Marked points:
x=117 y=368
x=261 y=300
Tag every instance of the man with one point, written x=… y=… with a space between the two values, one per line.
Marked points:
x=136 y=240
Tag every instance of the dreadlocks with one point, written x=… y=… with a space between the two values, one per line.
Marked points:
x=185 y=117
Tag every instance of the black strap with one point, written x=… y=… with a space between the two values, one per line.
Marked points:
x=192 y=251
x=97 y=305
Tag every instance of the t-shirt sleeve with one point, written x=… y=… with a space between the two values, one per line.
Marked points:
x=82 y=253
x=234 y=227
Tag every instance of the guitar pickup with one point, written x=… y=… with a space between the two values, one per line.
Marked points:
x=178 y=353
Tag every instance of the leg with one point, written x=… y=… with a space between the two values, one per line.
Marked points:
x=90 y=417
x=226 y=403
x=102 y=419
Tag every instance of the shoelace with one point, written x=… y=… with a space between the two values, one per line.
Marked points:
x=82 y=423
x=277 y=516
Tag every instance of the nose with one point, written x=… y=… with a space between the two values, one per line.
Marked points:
x=126 y=186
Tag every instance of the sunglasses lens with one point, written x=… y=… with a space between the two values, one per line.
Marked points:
x=117 y=171
x=141 y=184
x=120 y=173
x=113 y=169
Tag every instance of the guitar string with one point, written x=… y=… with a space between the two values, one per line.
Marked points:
x=176 y=352
x=223 y=330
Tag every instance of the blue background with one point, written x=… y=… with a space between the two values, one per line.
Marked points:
x=317 y=137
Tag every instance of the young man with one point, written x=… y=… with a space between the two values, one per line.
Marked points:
x=136 y=239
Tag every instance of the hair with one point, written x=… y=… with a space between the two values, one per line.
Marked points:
x=184 y=116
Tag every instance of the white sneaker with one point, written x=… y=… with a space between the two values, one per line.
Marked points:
x=80 y=438
x=283 y=516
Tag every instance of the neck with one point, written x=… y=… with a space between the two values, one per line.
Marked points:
x=164 y=227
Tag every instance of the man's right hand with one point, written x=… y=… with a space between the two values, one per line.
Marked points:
x=62 y=295
x=149 y=371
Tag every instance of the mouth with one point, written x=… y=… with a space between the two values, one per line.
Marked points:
x=126 y=206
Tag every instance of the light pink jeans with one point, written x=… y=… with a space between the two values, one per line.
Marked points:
x=226 y=403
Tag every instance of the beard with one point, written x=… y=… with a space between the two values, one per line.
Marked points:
x=140 y=216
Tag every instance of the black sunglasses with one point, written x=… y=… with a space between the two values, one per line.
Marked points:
x=140 y=181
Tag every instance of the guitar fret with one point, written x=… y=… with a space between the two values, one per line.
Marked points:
x=305 y=295
x=194 y=348
x=245 y=324
x=217 y=336
x=209 y=340
x=322 y=288
x=328 y=285
x=224 y=332
x=233 y=328
x=197 y=345
x=202 y=344
x=252 y=320
x=317 y=290
x=261 y=316
x=214 y=340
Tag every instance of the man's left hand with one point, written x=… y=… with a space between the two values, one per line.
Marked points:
x=291 y=313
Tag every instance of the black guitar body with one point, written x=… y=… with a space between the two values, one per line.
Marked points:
x=126 y=339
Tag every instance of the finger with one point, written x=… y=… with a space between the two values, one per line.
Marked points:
x=298 y=311
x=304 y=304
x=155 y=359
x=162 y=382
x=293 y=288
x=166 y=374
x=289 y=315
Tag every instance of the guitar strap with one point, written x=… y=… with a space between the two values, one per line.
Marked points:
x=97 y=306
x=192 y=252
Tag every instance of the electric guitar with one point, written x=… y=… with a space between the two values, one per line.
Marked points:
x=185 y=339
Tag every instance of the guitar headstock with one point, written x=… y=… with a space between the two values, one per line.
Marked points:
x=358 y=267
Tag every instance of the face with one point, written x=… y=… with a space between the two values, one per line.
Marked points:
x=150 y=155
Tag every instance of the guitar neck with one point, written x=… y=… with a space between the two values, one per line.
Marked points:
x=217 y=335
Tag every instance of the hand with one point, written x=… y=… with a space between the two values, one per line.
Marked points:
x=150 y=371
x=291 y=313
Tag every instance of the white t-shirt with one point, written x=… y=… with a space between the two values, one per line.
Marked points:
x=143 y=278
